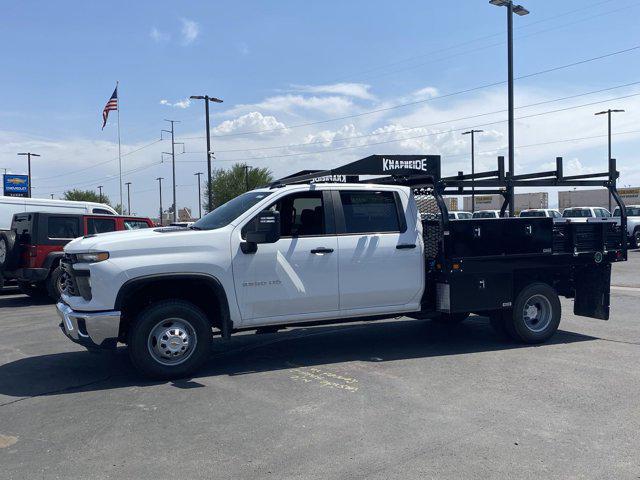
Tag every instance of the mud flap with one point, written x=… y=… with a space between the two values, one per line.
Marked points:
x=593 y=288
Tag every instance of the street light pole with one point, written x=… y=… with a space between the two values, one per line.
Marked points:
x=609 y=112
x=173 y=165
x=197 y=174
x=29 y=155
x=472 y=132
x=246 y=177
x=128 y=184
x=100 y=190
x=160 y=185
x=207 y=99
x=521 y=11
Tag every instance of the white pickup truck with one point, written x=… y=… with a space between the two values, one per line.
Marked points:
x=633 y=223
x=302 y=253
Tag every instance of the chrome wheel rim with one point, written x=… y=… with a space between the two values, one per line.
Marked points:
x=537 y=313
x=172 y=341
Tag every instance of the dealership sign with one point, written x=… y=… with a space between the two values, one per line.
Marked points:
x=15 y=185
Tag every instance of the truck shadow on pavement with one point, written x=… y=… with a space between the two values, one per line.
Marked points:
x=386 y=340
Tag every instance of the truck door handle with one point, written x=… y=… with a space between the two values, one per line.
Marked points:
x=321 y=250
x=404 y=246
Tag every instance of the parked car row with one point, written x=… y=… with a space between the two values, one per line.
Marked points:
x=33 y=239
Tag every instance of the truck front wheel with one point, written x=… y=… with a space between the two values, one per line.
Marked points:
x=635 y=239
x=170 y=339
x=536 y=314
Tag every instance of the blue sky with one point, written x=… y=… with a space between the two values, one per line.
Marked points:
x=283 y=63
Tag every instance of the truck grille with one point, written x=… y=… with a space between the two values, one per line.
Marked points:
x=75 y=283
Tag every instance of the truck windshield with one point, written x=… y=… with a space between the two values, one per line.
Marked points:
x=631 y=212
x=228 y=212
x=576 y=213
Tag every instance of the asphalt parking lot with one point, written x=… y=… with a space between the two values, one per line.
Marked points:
x=391 y=399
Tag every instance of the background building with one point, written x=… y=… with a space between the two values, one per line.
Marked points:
x=596 y=198
x=522 y=201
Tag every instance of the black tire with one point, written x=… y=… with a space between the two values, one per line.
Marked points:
x=536 y=313
x=452 y=318
x=635 y=239
x=53 y=285
x=184 y=320
x=34 y=290
x=7 y=250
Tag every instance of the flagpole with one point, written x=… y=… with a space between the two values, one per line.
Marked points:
x=119 y=152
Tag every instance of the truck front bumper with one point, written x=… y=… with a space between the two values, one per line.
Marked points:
x=90 y=329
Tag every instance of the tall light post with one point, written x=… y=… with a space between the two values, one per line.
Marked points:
x=472 y=132
x=521 y=11
x=100 y=194
x=29 y=155
x=173 y=163
x=207 y=99
x=128 y=184
x=609 y=112
x=160 y=185
x=197 y=174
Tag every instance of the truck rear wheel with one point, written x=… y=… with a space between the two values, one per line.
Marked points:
x=170 y=340
x=535 y=316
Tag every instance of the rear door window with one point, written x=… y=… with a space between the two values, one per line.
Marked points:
x=370 y=212
x=135 y=224
x=63 y=227
x=100 y=225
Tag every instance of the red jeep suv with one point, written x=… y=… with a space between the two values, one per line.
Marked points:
x=34 y=245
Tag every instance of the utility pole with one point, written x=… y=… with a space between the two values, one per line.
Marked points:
x=128 y=184
x=473 y=168
x=29 y=155
x=208 y=99
x=197 y=174
x=173 y=163
x=160 y=185
x=246 y=177
x=100 y=190
x=521 y=11
x=609 y=112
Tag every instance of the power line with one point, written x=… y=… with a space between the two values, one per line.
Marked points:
x=468 y=42
x=437 y=97
x=240 y=150
x=441 y=132
x=102 y=163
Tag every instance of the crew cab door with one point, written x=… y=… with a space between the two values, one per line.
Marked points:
x=295 y=278
x=381 y=262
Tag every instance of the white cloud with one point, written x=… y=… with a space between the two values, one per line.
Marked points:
x=251 y=122
x=158 y=36
x=186 y=103
x=426 y=92
x=356 y=90
x=291 y=104
x=190 y=31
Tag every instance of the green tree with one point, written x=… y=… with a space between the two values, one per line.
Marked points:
x=228 y=184
x=85 y=196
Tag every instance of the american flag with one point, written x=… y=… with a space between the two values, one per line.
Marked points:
x=112 y=104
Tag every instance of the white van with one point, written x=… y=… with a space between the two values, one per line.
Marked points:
x=11 y=205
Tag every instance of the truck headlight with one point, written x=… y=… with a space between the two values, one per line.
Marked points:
x=92 y=257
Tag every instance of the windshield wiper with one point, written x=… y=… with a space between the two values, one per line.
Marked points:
x=193 y=227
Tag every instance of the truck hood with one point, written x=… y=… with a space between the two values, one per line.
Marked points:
x=145 y=239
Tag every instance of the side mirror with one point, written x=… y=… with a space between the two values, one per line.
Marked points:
x=264 y=228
